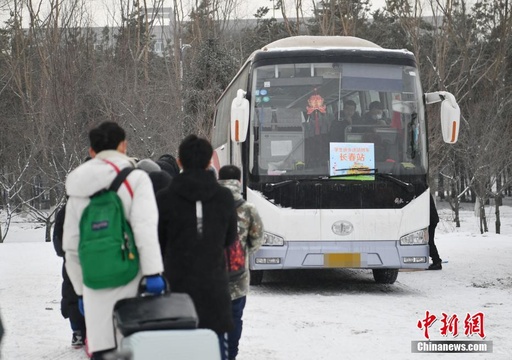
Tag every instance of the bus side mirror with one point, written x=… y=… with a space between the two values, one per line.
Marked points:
x=450 y=114
x=239 y=117
x=450 y=119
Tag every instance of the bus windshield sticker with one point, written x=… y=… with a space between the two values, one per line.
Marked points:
x=352 y=158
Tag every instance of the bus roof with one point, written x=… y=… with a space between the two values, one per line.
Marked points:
x=316 y=42
x=325 y=43
x=307 y=45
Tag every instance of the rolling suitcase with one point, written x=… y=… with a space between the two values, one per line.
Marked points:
x=193 y=344
x=159 y=312
x=162 y=327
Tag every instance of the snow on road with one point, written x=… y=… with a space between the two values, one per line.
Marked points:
x=324 y=314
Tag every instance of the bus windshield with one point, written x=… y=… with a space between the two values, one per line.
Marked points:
x=336 y=119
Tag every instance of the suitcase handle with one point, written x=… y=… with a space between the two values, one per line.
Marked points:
x=142 y=287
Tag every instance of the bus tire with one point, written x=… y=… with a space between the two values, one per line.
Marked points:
x=385 y=276
x=256 y=277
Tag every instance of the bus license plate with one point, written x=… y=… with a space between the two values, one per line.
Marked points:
x=342 y=260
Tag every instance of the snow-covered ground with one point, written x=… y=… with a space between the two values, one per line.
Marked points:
x=324 y=314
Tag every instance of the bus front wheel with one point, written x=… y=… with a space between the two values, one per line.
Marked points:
x=385 y=276
x=256 y=277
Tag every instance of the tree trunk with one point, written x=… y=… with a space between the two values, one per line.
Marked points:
x=48 y=234
x=508 y=189
x=7 y=224
x=456 y=210
x=498 y=203
x=440 y=187
x=455 y=201
x=483 y=220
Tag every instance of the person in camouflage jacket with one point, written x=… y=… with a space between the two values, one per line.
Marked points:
x=250 y=234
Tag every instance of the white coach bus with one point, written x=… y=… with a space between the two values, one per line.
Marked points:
x=333 y=194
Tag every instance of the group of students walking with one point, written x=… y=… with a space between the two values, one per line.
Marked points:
x=181 y=226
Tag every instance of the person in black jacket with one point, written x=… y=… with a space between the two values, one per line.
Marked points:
x=348 y=116
x=434 y=220
x=197 y=221
x=375 y=114
x=69 y=302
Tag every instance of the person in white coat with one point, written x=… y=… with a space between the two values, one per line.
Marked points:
x=108 y=152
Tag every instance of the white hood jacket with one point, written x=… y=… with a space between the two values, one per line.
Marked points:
x=142 y=214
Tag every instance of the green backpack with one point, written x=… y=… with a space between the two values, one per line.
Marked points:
x=107 y=251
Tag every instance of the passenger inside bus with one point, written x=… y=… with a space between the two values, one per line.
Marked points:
x=346 y=117
x=375 y=114
x=316 y=129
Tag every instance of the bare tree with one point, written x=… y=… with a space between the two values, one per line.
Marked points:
x=59 y=77
x=341 y=17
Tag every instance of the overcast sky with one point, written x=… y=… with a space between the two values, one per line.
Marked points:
x=103 y=11
x=245 y=8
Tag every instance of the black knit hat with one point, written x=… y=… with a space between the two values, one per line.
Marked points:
x=169 y=164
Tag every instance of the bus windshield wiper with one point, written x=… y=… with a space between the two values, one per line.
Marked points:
x=407 y=186
x=272 y=186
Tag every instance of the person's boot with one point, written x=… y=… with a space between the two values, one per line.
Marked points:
x=77 y=341
x=436 y=265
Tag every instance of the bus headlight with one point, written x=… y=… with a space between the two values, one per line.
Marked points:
x=419 y=237
x=272 y=240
